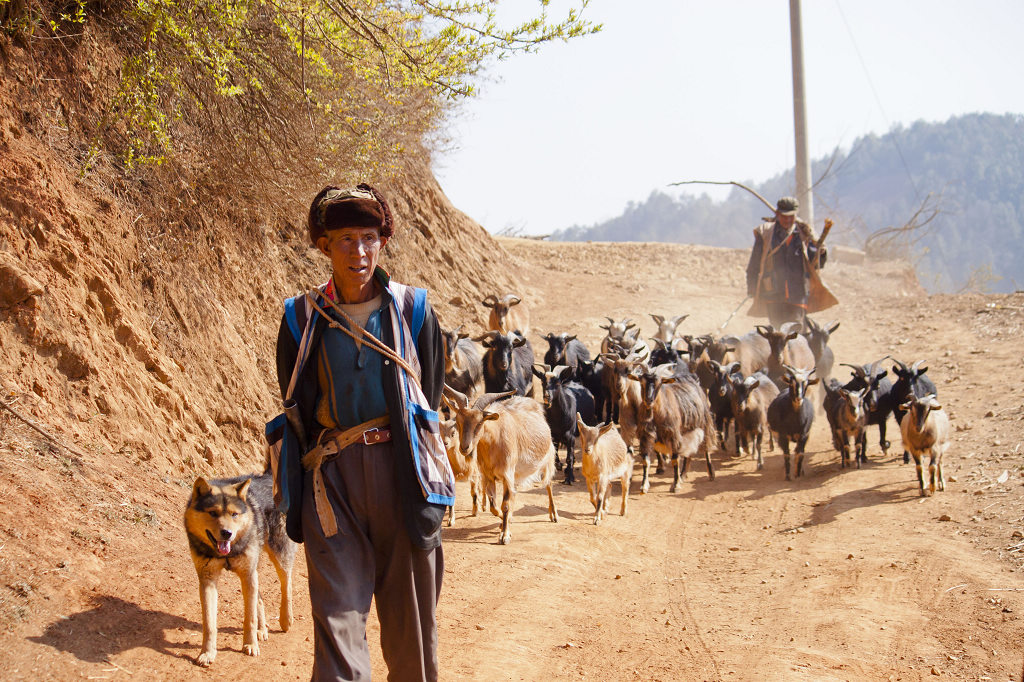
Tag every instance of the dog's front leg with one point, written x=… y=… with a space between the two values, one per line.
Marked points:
x=251 y=598
x=208 y=600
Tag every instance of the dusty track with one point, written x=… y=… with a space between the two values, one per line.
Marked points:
x=840 y=575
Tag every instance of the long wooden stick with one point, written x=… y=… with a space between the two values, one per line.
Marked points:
x=44 y=434
x=730 y=182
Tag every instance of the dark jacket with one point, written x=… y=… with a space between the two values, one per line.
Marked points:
x=785 y=276
x=422 y=519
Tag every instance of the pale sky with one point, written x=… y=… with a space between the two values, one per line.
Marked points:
x=676 y=90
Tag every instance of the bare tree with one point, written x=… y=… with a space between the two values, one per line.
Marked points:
x=899 y=242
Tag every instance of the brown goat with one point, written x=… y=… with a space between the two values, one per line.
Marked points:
x=464 y=468
x=512 y=443
x=508 y=314
x=925 y=430
x=675 y=419
x=750 y=399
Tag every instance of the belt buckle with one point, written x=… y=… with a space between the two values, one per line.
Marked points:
x=373 y=436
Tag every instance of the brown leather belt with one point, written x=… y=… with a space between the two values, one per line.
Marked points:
x=374 y=436
x=330 y=444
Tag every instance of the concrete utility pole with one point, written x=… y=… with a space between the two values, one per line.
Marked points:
x=803 y=161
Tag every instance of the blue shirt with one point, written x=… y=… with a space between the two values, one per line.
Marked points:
x=350 y=374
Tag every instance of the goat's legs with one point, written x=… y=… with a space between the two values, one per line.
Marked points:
x=570 y=460
x=506 y=513
x=920 y=472
x=800 y=447
x=552 y=510
x=881 y=437
x=645 y=484
x=675 y=470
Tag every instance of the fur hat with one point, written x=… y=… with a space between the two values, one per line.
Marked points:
x=334 y=208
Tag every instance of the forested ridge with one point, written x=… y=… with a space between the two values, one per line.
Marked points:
x=960 y=182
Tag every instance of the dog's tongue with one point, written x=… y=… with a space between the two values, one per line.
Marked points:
x=224 y=547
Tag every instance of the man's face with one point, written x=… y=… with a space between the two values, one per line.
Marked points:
x=353 y=252
x=786 y=221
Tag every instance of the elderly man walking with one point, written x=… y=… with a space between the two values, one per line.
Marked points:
x=783 y=263
x=360 y=364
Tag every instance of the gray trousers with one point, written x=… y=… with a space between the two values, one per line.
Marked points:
x=371 y=556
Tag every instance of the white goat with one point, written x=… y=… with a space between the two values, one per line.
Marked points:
x=604 y=459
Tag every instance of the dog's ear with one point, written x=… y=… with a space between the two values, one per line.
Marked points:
x=200 y=488
x=243 y=488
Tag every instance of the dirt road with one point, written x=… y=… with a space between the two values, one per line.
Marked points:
x=839 y=575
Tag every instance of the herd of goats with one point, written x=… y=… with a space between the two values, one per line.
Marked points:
x=674 y=398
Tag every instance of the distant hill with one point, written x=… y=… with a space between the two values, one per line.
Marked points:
x=968 y=172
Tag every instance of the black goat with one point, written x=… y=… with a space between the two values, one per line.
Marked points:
x=563 y=399
x=508 y=363
x=565 y=349
x=720 y=399
x=790 y=416
x=663 y=353
x=590 y=376
x=910 y=383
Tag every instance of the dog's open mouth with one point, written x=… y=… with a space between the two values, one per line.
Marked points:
x=223 y=546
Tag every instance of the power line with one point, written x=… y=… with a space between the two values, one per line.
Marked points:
x=878 y=101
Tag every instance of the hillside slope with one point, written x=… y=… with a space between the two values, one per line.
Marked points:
x=147 y=347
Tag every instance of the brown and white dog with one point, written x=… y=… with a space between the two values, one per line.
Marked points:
x=229 y=522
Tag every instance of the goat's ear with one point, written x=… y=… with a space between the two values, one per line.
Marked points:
x=832 y=329
x=752 y=382
x=605 y=327
x=632 y=376
x=604 y=428
x=570 y=337
x=792 y=335
x=881 y=373
x=907 y=405
x=921 y=371
x=811 y=382
x=518 y=341
x=514 y=300
x=668 y=380
x=537 y=373
x=658 y=319
x=490 y=416
x=490 y=301
x=630 y=325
